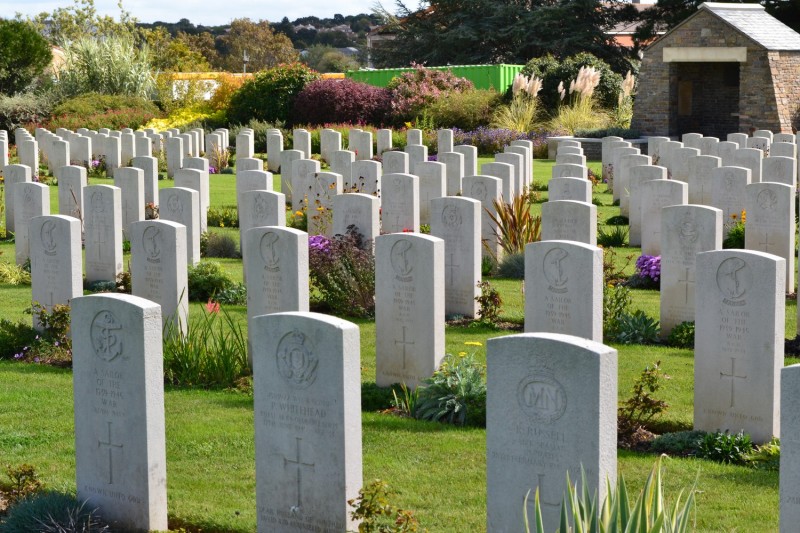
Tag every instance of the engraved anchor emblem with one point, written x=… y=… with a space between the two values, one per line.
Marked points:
x=733 y=278
x=106 y=340
x=554 y=267
x=150 y=242
x=401 y=262
x=268 y=252
x=176 y=207
x=48 y=239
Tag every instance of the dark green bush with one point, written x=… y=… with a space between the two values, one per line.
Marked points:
x=682 y=335
x=26 y=54
x=23 y=110
x=206 y=279
x=14 y=336
x=636 y=328
x=259 y=128
x=223 y=217
x=221 y=245
x=725 y=448
x=553 y=71
x=374 y=398
x=90 y=103
x=51 y=511
x=625 y=133
x=512 y=266
x=615 y=236
x=735 y=238
x=95 y=111
x=467 y=110
x=678 y=443
x=455 y=394
x=270 y=95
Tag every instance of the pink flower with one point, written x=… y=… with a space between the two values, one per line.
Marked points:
x=212 y=306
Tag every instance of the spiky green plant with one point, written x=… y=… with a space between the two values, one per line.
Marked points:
x=650 y=512
x=514 y=225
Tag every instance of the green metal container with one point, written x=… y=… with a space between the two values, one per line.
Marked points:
x=498 y=77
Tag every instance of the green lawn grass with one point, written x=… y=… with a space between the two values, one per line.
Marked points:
x=438 y=471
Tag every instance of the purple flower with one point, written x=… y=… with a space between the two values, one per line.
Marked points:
x=434 y=157
x=95 y=163
x=55 y=344
x=649 y=266
x=18 y=356
x=35 y=359
x=319 y=243
x=212 y=170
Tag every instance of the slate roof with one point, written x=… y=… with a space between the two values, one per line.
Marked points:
x=753 y=21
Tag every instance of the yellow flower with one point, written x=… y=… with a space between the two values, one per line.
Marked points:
x=473 y=343
x=320 y=209
x=744 y=216
x=221 y=224
x=733 y=216
x=462 y=354
x=298 y=213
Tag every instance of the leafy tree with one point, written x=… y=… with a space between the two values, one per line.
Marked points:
x=264 y=48
x=68 y=24
x=202 y=43
x=328 y=59
x=25 y=54
x=503 y=31
x=173 y=54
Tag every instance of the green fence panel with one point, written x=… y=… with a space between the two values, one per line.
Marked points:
x=497 y=77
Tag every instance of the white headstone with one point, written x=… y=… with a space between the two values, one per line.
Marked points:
x=738 y=349
x=470 y=154
x=454 y=171
x=383 y=138
x=431 y=185
x=71 y=181
x=576 y=189
x=365 y=177
x=259 y=208
x=656 y=195
x=444 y=141
x=117 y=370
x=505 y=172
x=409 y=307
x=789 y=476
x=487 y=190
x=301 y=140
x=416 y=154
x=103 y=230
x=32 y=200
x=182 y=205
x=566 y=220
x=330 y=141
x=699 y=178
x=130 y=182
x=12 y=175
x=395 y=162
x=195 y=179
x=149 y=167
x=779 y=169
x=551 y=409
x=771 y=224
x=288 y=158
x=751 y=158
x=56 y=262
x=400 y=203
x=622 y=179
x=728 y=186
x=274 y=149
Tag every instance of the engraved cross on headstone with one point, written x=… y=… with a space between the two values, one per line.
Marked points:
x=686 y=281
x=99 y=236
x=299 y=464
x=451 y=268
x=404 y=342
x=111 y=447
x=765 y=242
x=542 y=501
x=732 y=377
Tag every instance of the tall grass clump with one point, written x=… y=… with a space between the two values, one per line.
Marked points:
x=514 y=225
x=211 y=353
x=622 y=115
x=522 y=112
x=581 y=111
x=113 y=65
x=650 y=513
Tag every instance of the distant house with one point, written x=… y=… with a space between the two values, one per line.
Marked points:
x=727 y=68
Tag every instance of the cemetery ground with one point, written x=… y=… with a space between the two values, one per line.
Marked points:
x=437 y=470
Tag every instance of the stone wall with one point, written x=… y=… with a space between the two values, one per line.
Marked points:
x=655 y=109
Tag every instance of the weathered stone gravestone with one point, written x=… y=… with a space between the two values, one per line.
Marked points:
x=13 y=174
x=567 y=220
x=779 y=169
x=699 y=178
x=622 y=179
x=790 y=449
x=103 y=230
x=32 y=200
x=738 y=342
x=71 y=181
x=570 y=171
x=551 y=409
x=409 y=308
x=362 y=212
x=117 y=369
x=417 y=153
x=194 y=179
x=395 y=162
x=505 y=172
x=725 y=151
x=564 y=289
x=366 y=178
x=277 y=263
x=751 y=158
x=158 y=269
x=686 y=230
x=771 y=224
x=656 y=195
x=308 y=465
x=577 y=189
x=341 y=162
x=457 y=221
x=56 y=263
x=454 y=171
x=431 y=185
x=182 y=205
x=288 y=159
x=130 y=182
x=149 y=167
x=400 y=203
x=470 y=154
x=728 y=186
x=487 y=190
x=638 y=176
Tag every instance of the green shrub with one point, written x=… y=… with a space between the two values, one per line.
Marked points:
x=599 y=133
x=212 y=352
x=270 y=95
x=642 y=405
x=512 y=266
x=111 y=65
x=223 y=217
x=55 y=512
x=735 y=238
x=24 y=109
x=259 y=128
x=236 y=294
x=617 y=301
x=220 y=245
x=636 y=328
x=489 y=303
x=725 y=448
x=679 y=443
x=374 y=398
x=651 y=512
x=615 y=236
x=25 y=482
x=514 y=225
x=342 y=271
x=95 y=111
x=553 y=71
x=464 y=110
x=14 y=336
x=26 y=55
x=378 y=514
x=767 y=456
x=13 y=274
x=207 y=278
x=682 y=335
x=456 y=393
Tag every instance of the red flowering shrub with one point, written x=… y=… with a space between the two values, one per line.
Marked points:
x=341 y=101
x=411 y=91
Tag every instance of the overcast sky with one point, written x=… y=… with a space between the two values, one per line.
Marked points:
x=206 y=12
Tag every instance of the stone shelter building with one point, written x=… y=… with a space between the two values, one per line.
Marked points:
x=727 y=68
